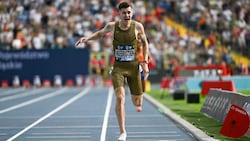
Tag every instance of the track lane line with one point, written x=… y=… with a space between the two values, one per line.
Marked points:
x=10 y=91
x=21 y=95
x=58 y=92
x=64 y=105
x=106 y=115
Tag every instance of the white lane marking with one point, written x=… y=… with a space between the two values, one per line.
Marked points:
x=64 y=133
x=67 y=140
x=10 y=91
x=24 y=94
x=106 y=115
x=144 y=126
x=55 y=127
x=147 y=133
x=152 y=136
x=57 y=137
x=55 y=117
x=58 y=92
x=173 y=140
x=64 y=105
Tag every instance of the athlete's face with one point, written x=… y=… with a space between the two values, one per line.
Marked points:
x=126 y=15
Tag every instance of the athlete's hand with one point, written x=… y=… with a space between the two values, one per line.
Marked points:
x=81 y=40
x=146 y=59
x=145 y=70
x=146 y=74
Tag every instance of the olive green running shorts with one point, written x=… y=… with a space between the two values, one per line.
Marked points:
x=129 y=70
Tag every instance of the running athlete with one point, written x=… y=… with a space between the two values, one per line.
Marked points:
x=126 y=65
x=94 y=69
x=102 y=65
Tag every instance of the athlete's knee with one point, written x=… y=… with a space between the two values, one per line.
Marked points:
x=120 y=94
x=137 y=100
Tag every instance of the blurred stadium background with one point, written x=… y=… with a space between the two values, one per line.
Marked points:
x=187 y=38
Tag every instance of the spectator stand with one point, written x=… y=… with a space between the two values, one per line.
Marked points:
x=58 y=24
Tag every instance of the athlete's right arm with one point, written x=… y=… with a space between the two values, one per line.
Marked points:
x=109 y=27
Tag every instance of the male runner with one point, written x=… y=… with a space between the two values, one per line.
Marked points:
x=126 y=65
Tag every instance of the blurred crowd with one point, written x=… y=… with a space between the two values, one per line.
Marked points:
x=227 y=20
x=38 y=24
x=225 y=23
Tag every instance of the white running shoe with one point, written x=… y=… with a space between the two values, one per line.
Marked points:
x=122 y=137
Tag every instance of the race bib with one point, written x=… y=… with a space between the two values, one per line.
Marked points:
x=124 y=53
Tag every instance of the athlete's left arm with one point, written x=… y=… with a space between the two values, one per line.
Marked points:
x=144 y=40
x=145 y=50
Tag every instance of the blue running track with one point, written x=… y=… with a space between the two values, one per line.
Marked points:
x=79 y=114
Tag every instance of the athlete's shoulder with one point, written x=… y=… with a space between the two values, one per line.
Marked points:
x=109 y=26
x=112 y=23
x=138 y=24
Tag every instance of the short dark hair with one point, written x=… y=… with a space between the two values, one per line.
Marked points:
x=124 y=5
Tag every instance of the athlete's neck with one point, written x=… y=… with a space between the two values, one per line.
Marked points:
x=124 y=24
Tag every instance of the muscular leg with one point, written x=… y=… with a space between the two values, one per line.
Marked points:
x=120 y=110
x=136 y=89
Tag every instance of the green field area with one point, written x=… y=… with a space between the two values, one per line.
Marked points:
x=191 y=113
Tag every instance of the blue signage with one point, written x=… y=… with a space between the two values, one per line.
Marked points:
x=46 y=63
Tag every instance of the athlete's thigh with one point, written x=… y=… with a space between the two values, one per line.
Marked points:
x=134 y=82
x=117 y=79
